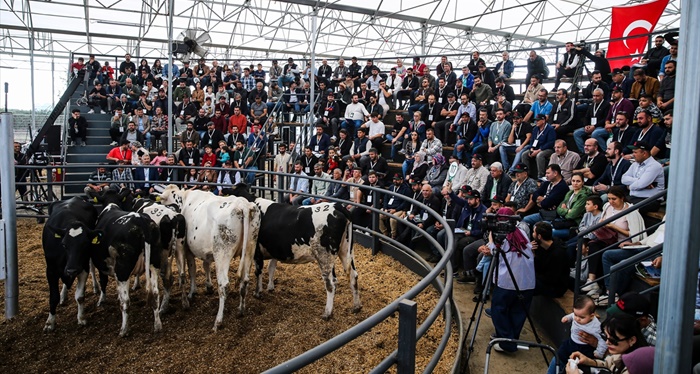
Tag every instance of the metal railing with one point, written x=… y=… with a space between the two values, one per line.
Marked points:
x=409 y=333
x=590 y=229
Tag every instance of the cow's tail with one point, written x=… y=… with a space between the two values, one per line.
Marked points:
x=345 y=250
x=244 y=248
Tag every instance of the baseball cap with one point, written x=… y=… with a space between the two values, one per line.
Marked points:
x=465 y=188
x=477 y=156
x=473 y=194
x=498 y=199
x=540 y=116
x=617 y=71
x=631 y=303
x=413 y=182
x=397 y=176
x=640 y=145
x=517 y=115
x=617 y=89
x=520 y=168
x=465 y=114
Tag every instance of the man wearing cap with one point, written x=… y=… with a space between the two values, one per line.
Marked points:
x=645 y=177
x=478 y=174
x=396 y=206
x=496 y=184
x=518 y=142
x=622 y=82
x=211 y=137
x=548 y=196
x=77 y=128
x=448 y=115
x=521 y=190
x=456 y=175
x=543 y=137
x=639 y=307
x=467 y=231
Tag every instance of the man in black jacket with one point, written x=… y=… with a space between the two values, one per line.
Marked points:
x=496 y=184
x=396 y=206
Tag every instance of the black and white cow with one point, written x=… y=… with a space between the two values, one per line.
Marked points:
x=67 y=238
x=218 y=229
x=125 y=237
x=172 y=238
x=302 y=234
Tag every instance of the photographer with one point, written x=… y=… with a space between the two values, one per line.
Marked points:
x=601 y=63
x=511 y=296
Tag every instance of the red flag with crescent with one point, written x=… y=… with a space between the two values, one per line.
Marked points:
x=628 y=22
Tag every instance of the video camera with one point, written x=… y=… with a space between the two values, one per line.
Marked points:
x=499 y=225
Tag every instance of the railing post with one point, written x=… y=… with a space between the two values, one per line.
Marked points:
x=281 y=186
x=406 y=356
x=577 y=280
x=375 y=222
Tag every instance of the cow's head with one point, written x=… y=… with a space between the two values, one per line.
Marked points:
x=171 y=195
x=78 y=241
x=243 y=190
x=122 y=198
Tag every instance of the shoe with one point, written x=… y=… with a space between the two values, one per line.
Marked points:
x=602 y=301
x=91 y=111
x=69 y=143
x=591 y=288
x=466 y=278
x=487 y=311
x=479 y=282
x=493 y=336
x=543 y=179
x=83 y=144
x=497 y=348
x=113 y=143
x=103 y=112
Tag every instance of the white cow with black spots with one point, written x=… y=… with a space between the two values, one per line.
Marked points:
x=218 y=229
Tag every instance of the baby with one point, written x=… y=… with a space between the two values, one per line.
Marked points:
x=582 y=319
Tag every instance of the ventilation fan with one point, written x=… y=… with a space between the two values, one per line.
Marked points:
x=191 y=44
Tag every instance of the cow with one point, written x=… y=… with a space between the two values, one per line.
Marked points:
x=172 y=237
x=125 y=237
x=218 y=229
x=302 y=234
x=67 y=237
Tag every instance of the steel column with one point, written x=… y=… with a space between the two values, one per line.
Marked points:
x=406 y=355
x=171 y=124
x=9 y=206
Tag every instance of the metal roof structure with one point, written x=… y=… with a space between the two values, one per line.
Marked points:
x=258 y=29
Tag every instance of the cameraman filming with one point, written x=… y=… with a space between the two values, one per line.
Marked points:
x=513 y=290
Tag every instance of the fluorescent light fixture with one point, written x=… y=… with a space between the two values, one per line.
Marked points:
x=117 y=23
x=284 y=40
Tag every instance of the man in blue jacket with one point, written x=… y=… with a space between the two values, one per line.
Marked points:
x=550 y=194
x=468 y=225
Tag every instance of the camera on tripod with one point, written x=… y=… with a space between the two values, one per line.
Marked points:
x=499 y=225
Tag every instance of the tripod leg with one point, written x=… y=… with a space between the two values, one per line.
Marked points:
x=479 y=308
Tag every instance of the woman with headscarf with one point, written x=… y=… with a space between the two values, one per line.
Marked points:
x=437 y=173
x=420 y=168
x=508 y=306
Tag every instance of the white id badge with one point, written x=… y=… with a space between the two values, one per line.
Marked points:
x=594 y=121
x=240 y=162
x=191 y=161
x=495 y=139
x=210 y=142
x=316 y=148
x=430 y=117
x=469 y=227
x=182 y=112
x=517 y=142
x=391 y=201
x=307 y=170
x=369 y=198
x=325 y=113
x=121 y=128
x=424 y=216
x=555 y=116
x=440 y=100
x=534 y=144
x=352 y=114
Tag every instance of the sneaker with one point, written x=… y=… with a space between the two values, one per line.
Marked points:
x=602 y=301
x=497 y=348
x=466 y=278
x=91 y=111
x=83 y=144
x=487 y=311
x=113 y=144
x=103 y=112
x=591 y=288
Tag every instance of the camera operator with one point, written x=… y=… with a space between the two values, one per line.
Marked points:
x=601 y=63
x=511 y=296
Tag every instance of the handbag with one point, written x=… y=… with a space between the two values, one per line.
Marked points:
x=563 y=223
x=606 y=235
x=548 y=215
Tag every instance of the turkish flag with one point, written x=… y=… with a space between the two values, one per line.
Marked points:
x=628 y=22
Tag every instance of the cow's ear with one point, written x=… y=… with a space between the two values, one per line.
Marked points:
x=58 y=233
x=96 y=236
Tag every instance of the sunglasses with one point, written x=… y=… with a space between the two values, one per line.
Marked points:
x=613 y=340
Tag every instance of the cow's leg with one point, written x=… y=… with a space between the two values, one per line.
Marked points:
x=155 y=296
x=192 y=269
x=53 y=301
x=123 y=292
x=139 y=269
x=93 y=276
x=80 y=296
x=137 y=283
x=207 y=274
x=104 y=279
x=271 y=274
x=223 y=261
x=327 y=270
x=166 y=272
x=258 y=275
x=180 y=262
x=64 y=294
x=349 y=265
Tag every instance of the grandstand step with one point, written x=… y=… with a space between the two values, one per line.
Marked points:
x=86 y=158
x=97 y=131
x=102 y=149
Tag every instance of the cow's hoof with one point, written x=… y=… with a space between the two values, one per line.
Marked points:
x=326 y=317
x=186 y=303
x=357 y=309
x=48 y=328
x=190 y=296
x=257 y=295
x=157 y=327
x=123 y=333
x=82 y=323
x=270 y=289
x=210 y=290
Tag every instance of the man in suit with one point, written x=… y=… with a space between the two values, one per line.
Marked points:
x=145 y=177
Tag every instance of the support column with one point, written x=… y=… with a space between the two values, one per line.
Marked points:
x=9 y=214
x=31 y=79
x=171 y=120
x=312 y=77
x=680 y=270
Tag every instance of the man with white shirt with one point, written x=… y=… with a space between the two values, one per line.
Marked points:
x=355 y=114
x=478 y=174
x=375 y=130
x=456 y=175
x=645 y=177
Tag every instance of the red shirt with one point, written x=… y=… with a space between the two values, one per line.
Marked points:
x=219 y=123
x=239 y=121
x=209 y=157
x=120 y=154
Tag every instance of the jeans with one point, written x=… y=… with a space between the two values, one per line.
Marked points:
x=532 y=219
x=599 y=134
x=250 y=175
x=465 y=154
x=508 y=313
x=305 y=109
x=504 y=149
x=565 y=350
x=407 y=167
x=413 y=108
x=621 y=277
x=352 y=131
x=284 y=79
x=541 y=161
x=398 y=144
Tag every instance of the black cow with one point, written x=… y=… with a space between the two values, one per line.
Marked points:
x=67 y=238
x=301 y=234
x=122 y=198
x=127 y=235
